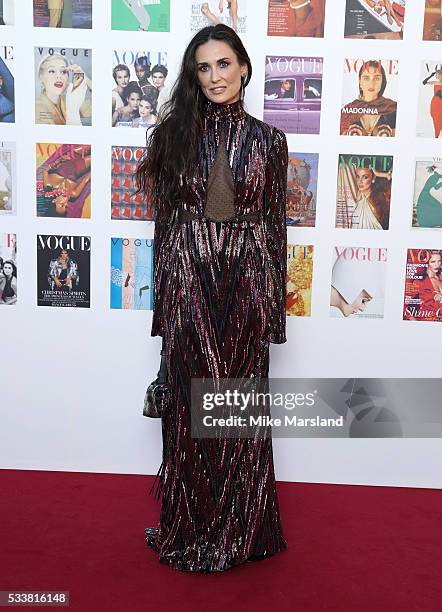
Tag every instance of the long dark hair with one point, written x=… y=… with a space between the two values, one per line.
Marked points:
x=172 y=144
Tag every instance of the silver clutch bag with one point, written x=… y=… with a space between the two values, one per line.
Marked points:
x=157 y=392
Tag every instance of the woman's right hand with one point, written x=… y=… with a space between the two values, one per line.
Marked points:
x=75 y=96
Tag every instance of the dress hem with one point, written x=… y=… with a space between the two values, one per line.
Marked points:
x=151 y=534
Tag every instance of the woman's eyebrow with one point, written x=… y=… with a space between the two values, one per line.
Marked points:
x=222 y=59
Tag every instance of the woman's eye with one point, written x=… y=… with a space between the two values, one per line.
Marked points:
x=224 y=64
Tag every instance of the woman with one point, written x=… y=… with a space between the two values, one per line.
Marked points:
x=8 y=283
x=307 y=18
x=428 y=291
x=429 y=208
x=147 y=112
x=218 y=179
x=159 y=75
x=232 y=7
x=121 y=74
x=140 y=13
x=5 y=184
x=432 y=20
x=55 y=8
x=436 y=100
x=370 y=191
x=356 y=284
x=61 y=102
x=63 y=272
x=6 y=105
x=66 y=184
x=380 y=116
x=124 y=115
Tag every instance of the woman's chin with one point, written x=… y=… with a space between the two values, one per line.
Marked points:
x=222 y=98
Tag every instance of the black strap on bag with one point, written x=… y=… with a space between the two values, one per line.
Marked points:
x=157 y=391
x=162 y=372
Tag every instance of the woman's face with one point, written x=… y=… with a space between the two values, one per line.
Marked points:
x=286 y=85
x=134 y=100
x=439 y=74
x=158 y=79
x=55 y=76
x=370 y=83
x=144 y=109
x=363 y=179
x=358 y=305
x=122 y=78
x=435 y=263
x=8 y=269
x=218 y=71
x=64 y=256
x=140 y=71
x=61 y=204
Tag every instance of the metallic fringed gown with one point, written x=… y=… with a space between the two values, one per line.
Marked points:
x=220 y=264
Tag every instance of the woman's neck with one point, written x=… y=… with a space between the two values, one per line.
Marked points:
x=233 y=111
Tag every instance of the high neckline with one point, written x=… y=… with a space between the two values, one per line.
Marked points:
x=233 y=111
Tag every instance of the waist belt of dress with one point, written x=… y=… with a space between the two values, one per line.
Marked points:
x=186 y=215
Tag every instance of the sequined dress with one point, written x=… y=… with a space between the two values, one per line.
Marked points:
x=220 y=265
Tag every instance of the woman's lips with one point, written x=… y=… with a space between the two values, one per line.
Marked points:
x=59 y=85
x=217 y=89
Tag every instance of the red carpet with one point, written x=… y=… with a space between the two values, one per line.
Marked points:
x=350 y=548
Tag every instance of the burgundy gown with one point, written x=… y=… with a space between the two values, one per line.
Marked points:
x=219 y=300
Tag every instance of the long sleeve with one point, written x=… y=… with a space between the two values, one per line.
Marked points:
x=275 y=198
x=160 y=268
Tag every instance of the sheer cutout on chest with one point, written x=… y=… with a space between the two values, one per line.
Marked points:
x=220 y=204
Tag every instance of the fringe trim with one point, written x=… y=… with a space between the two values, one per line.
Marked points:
x=158 y=483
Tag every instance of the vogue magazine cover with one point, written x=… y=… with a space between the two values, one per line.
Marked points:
x=364 y=191
x=63 y=271
x=429 y=115
x=299 y=280
x=63 y=86
x=432 y=20
x=140 y=86
x=231 y=12
x=358 y=282
x=382 y=19
x=302 y=184
x=131 y=273
x=141 y=15
x=63 y=14
x=7 y=95
x=126 y=203
x=293 y=93
x=8 y=269
x=427 y=200
x=296 y=18
x=63 y=183
x=7 y=178
x=423 y=285
x=369 y=97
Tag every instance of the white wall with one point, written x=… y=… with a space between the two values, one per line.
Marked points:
x=72 y=381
